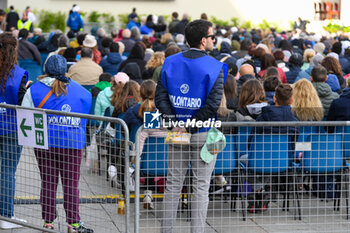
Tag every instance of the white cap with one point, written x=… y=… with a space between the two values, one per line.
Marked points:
x=76 y=8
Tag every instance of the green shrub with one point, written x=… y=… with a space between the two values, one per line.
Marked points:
x=247 y=25
x=52 y=20
x=123 y=18
x=219 y=22
x=108 y=18
x=264 y=24
x=334 y=28
x=235 y=21
x=94 y=17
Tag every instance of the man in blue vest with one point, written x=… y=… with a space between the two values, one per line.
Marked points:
x=190 y=88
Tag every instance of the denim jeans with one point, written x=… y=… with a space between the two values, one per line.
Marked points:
x=10 y=153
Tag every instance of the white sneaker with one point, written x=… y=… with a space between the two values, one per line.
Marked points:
x=10 y=225
x=147 y=200
x=112 y=172
x=220 y=180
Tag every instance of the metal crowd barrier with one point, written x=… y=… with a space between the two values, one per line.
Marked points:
x=275 y=180
x=104 y=201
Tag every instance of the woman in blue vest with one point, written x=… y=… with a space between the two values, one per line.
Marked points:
x=12 y=89
x=190 y=87
x=66 y=140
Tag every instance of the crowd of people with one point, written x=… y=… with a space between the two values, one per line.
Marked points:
x=247 y=75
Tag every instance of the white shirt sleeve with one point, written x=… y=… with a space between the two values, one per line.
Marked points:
x=27 y=100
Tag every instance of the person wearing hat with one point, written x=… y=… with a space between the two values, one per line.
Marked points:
x=196 y=77
x=56 y=91
x=85 y=71
x=91 y=42
x=106 y=96
x=75 y=22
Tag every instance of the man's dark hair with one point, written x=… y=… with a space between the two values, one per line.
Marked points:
x=27 y=7
x=86 y=52
x=107 y=77
x=283 y=94
x=106 y=42
x=232 y=69
x=195 y=31
x=23 y=33
x=337 y=47
x=114 y=48
x=175 y=15
x=246 y=43
x=12 y=8
x=271 y=83
x=54 y=39
x=81 y=38
x=2 y=12
x=319 y=74
x=70 y=54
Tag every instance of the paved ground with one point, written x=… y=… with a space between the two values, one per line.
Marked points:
x=317 y=216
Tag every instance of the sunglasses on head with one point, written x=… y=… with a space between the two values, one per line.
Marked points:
x=210 y=36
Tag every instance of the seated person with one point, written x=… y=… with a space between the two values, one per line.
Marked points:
x=134 y=115
x=270 y=85
x=104 y=81
x=281 y=111
x=324 y=91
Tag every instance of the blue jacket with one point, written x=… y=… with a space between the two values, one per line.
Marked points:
x=269 y=97
x=132 y=117
x=345 y=63
x=111 y=62
x=340 y=108
x=333 y=82
x=292 y=74
x=295 y=73
x=277 y=113
x=75 y=21
x=64 y=131
x=131 y=24
x=146 y=30
x=8 y=116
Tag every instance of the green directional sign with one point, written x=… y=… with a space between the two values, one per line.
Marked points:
x=25 y=127
x=32 y=128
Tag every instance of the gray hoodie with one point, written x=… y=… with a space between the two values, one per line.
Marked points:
x=326 y=95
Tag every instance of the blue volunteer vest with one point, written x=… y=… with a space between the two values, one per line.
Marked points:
x=8 y=122
x=65 y=131
x=189 y=82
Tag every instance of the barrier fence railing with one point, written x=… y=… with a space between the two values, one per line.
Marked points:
x=78 y=181
x=281 y=177
x=271 y=177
